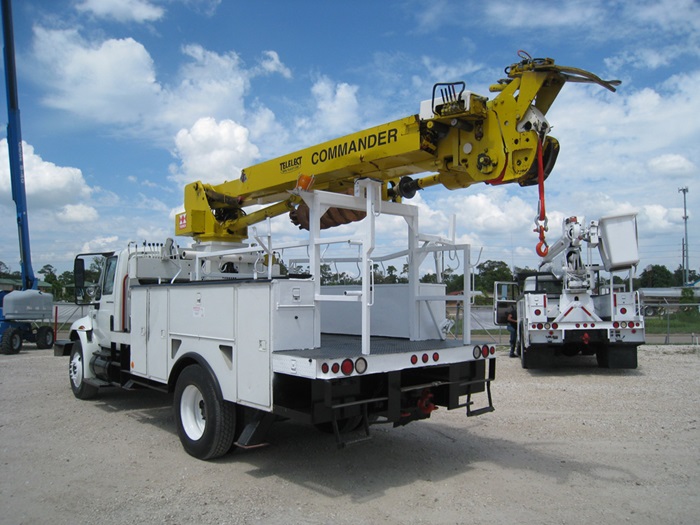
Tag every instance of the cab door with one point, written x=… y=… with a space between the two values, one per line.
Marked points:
x=505 y=296
x=104 y=316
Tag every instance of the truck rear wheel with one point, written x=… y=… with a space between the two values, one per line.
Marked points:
x=11 y=341
x=206 y=423
x=44 y=337
x=76 y=374
x=521 y=348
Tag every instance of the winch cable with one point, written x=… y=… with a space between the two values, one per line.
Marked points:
x=541 y=219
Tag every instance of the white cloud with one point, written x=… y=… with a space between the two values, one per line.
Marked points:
x=139 y=11
x=213 y=151
x=271 y=63
x=549 y=15
x=671 y=164
x=77 y=213
x=336 y=111
x=48 y=186
x=112 y=81
x=101 y=244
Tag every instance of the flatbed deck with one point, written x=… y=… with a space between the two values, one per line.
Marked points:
x=335 y=346
x=386 y=354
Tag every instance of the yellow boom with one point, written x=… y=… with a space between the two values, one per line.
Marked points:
x=460 y=137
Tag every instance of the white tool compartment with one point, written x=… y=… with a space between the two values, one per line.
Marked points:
x=293 y=316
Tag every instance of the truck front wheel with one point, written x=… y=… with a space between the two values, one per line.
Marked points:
x=76 y=373
x=206 y=423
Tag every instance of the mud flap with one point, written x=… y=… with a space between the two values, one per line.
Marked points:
x=487 y=381
x=618 y=357
x=537 y=357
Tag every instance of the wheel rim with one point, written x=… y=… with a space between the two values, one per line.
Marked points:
x=76 y=369
x=192 y=412
x=16 y=342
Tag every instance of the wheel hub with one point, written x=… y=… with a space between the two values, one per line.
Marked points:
x=193 y=412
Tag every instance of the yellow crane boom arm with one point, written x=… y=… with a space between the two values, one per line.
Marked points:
x=460 y=137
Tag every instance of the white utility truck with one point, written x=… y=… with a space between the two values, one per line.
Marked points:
x=568 y=309
x=243 y=339
x=242 y=346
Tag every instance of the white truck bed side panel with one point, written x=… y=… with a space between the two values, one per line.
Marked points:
x=390 y=313
x=202 y=321
x=253 y=367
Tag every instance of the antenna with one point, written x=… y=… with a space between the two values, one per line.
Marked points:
x=686 y=264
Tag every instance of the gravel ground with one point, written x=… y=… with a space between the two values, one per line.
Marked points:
x=574 y=444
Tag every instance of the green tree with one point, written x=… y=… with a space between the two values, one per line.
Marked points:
x=679 y=276
x=455 y=283
x=429 y=278
x=655 y=276
x=490 y=272
x=4 y=270
x=49 y=273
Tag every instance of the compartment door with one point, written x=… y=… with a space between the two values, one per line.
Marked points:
x=253 y=345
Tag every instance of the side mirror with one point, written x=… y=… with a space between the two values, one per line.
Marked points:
x=87 y=290
x=79 y=272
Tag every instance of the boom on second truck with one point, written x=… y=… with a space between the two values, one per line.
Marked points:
x=243 y=337
x=565 y=309
x=20 y=310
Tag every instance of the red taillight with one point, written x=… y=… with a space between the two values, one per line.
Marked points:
x=324 y=368
x=540 y=326
x=347 y=367
x=414 y=359
x=425 y=358
x=485 y=351
x=492 y=350
x=335 y=368
x=538 y=312
x=555 y=326
x=623 y=310
x=436 y=356
x=616 y=325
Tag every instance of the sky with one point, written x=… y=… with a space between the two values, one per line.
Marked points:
x=123 y=102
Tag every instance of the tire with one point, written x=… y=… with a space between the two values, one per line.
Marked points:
x=76 y=374
x=206 y=423
x=521 y=346
x=602 y=356
x=11 y=341
x=44 y=337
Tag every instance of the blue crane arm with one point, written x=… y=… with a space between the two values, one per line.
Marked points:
x=14 y=145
